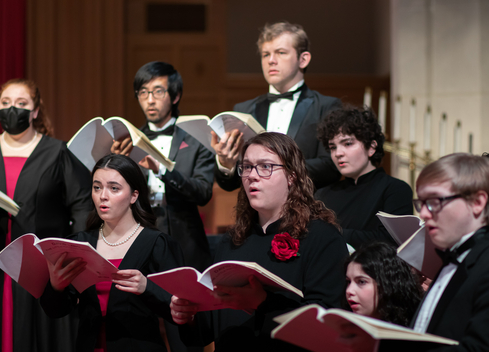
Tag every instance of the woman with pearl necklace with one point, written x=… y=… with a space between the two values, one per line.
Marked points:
x=122 y=314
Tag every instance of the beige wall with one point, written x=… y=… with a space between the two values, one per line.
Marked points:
x=440 y=53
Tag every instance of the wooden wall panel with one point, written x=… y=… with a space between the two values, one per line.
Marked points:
x=84 y=55
x=76 y=56
x=195 y=104
x=201 y=67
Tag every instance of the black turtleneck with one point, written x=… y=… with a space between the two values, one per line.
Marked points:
x=318 y=272
x=355 y=205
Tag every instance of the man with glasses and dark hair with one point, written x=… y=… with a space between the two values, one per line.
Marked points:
x=175 y=195
x=453 y=202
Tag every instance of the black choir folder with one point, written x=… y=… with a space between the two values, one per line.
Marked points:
x=200 y=126
x=94 y=140
x=318 y=329
x=415 y=246
x=24 y=260
x=188 y=283
x=400 y=227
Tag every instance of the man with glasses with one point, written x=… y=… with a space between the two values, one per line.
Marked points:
x=453 y=202
x=175 y=195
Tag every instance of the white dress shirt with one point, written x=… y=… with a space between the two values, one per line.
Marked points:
x=280 y=112
x=279 y=116
x=162 y=142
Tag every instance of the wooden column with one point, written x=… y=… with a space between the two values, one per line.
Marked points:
x=75 y=53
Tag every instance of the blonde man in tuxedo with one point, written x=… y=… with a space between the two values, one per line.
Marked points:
x=290 y=107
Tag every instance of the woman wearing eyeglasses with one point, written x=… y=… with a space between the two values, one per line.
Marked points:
x=281 y=227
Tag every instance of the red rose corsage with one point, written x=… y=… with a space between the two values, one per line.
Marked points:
x=285 y=247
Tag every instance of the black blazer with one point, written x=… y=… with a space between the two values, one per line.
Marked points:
x=131 y=320
x=53 y=191
x=462 y=313
x=310 y=109
x=188 y=186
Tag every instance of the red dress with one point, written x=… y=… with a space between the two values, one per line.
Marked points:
x=14 y=166
x=103 y=290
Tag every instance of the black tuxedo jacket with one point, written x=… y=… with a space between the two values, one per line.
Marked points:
x=462 y=313
x=310 y=109
x=188 y=186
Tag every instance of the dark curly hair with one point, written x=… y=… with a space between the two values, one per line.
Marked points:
x=398 y=289
x=300 y=207
x=351 y=120
x=131 y=172
x=41 y=124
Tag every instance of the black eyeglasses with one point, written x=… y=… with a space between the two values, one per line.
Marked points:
x=263 y=170
x=434 y=205
x=158 y=93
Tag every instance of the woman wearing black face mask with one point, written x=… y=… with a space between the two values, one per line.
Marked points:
x=52 y=189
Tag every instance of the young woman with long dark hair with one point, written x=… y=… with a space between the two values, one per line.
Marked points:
x=121 y=315
x=381 y=285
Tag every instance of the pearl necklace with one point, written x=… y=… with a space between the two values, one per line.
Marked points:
x=19 y=148
x=120 y=242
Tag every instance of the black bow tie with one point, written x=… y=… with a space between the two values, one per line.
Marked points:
x=287 y=95
x=166 y=132
x=449 y=256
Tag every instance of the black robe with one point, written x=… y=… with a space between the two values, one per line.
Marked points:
x=317 y=271
x=355 y=205
x=131 y=321
x=53 y=192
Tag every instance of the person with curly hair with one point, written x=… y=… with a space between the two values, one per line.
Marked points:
x=355 y=140
x=280 y=226
x=381 y=285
